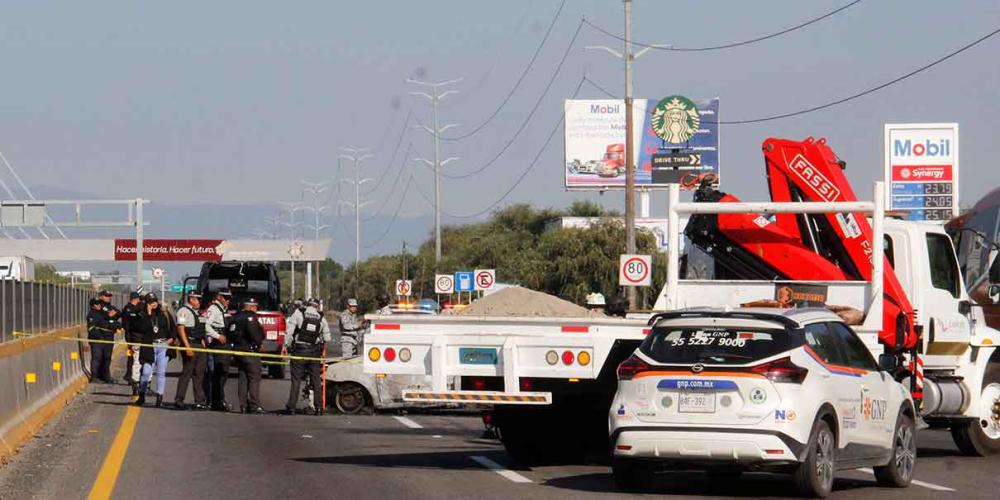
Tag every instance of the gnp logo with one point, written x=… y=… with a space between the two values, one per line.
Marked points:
x=807 y=172
x=921 y=148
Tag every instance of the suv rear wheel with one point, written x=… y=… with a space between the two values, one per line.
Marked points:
x=814 y=476
x=899 y=471
x=632 y=476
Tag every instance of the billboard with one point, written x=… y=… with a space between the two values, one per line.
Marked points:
x=676 y=140
x=921 y=169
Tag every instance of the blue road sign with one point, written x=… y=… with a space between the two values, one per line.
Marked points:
x=463 y=281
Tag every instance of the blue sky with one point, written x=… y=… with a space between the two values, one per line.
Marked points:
x=235 y=102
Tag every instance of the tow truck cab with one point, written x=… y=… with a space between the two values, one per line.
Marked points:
x=244 y=280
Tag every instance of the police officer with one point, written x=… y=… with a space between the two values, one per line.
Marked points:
x=215 y=333
x=105 y=297
x=247 y=334
x=130 y=322
x=308 y=332
x=99 y=328
x=191 y=334
x=352 y=327
x=383 y=304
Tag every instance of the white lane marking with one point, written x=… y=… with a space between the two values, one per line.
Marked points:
x=930 y=486
x=409 y=423
x=499 y=469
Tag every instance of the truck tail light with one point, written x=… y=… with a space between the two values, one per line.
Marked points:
x=583 y=358
x=781 y=370
x=567 y=357
x=405 y=354
x=479 y=384
x=551 y=357
x=527 y=384
x=631 y=367
x=389 y=354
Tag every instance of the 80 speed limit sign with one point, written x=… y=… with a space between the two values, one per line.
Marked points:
x=635 y=270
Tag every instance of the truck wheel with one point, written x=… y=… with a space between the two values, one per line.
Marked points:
x=981 y=437
x=899 y=471
x=351 y=399
x=814 y=476
x=632 y=476
x=276 y=372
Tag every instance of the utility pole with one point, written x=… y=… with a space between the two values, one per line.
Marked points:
x=434 y=97
x=356 y=155
x=315 y=189
x=138 y=244
x=291 y=207
x=628 y=56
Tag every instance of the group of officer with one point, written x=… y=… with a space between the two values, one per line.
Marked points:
x=152 y=334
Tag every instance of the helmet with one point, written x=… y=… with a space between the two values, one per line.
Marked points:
x=352 y=302
x=595 y=300
x=312 y=301
x=383 y=299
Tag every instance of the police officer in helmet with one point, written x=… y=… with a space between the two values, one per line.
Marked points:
x=383 y=304
x=352 y=328
x=308 y=336
x=191 y=334
x=247 y=334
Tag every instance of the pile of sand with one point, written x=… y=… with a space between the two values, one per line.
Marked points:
x=517 y=301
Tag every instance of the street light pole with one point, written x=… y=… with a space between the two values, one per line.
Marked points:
x=434 y=97
x=291 y=207
x=315 y=189
x=356 y=155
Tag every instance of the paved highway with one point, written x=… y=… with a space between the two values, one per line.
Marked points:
x=88 y=449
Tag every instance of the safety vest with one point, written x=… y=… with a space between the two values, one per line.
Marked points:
x=196 y=332
x=310 y=330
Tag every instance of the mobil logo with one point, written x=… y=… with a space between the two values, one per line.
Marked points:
x=605 y=109
x=921 y=148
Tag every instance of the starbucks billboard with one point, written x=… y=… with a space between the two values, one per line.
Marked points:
x=676 y=140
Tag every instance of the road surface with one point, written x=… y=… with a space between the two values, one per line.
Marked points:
x=89 y=449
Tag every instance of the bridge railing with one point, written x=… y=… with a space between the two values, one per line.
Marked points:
x=34 y=307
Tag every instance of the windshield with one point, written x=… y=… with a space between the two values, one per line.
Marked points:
x=732 y=346
x=244 y=280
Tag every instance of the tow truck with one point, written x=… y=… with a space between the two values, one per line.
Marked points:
x=551 y=380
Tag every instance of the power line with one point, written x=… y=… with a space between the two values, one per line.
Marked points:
x=728 y=45
x=399 y=208
x=527 y=170
x=517 y=84
x=842 y=100
x=395 y=150
x=385 y=199
x=527 y=119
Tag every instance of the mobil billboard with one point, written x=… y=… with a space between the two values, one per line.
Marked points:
x=921 y=169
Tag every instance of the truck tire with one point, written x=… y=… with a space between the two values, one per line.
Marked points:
x=351 y=399
x=981 y=437
x=276 y=372
x=899 y=471
x=814 y=476
x=632 y=476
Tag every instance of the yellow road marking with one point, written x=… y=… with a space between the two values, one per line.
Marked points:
x=108 y=475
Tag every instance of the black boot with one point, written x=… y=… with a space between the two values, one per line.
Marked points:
x=135 y=389
x=142 y=399
x=159 y=400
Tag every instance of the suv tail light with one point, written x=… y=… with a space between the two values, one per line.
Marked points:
x=632 y=367
x=781 y=370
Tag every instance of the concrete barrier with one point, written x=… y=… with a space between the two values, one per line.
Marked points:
x=39 y=375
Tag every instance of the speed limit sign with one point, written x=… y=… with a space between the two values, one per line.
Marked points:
x=635 y=270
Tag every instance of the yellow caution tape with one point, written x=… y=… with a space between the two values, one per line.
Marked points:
x=263 y=355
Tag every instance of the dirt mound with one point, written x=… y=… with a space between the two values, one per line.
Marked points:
x=517 y=301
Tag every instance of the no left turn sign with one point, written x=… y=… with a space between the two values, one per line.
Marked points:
x=444 y=284
x=635 y=270
x=485 y=279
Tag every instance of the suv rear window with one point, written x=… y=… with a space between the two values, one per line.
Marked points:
x=721 y=346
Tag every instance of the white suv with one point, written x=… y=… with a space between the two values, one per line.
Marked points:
x=790 y=390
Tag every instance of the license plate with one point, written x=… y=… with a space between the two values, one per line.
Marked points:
x=477 y=355
x=271 y=335
x=696 y=402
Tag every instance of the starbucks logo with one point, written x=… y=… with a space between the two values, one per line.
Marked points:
x=675 y=119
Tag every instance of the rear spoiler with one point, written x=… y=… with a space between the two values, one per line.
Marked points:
x=707 y=313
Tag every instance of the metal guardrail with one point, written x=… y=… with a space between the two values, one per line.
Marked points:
x=32 y=307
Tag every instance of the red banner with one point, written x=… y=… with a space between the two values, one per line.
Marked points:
x=167 y=250
x=921 y=173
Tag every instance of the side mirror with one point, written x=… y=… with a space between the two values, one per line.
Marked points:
x=993 y=292
x=964 y=307
x=887 y=362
